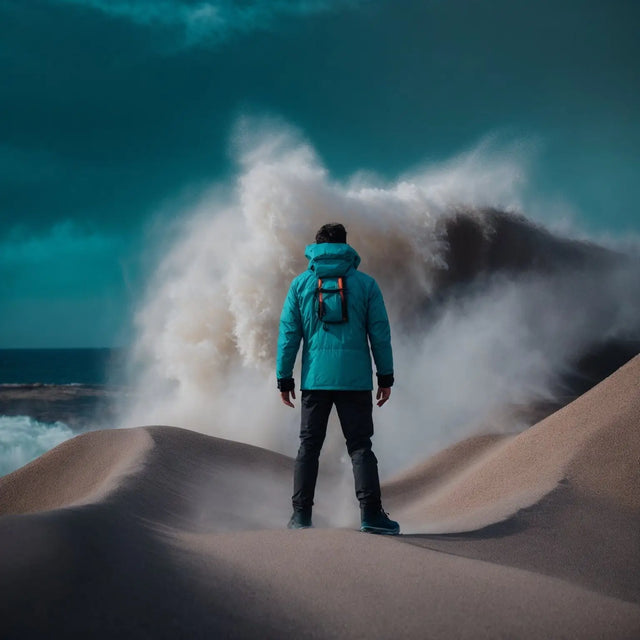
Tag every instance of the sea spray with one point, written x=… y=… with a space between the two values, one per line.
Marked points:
x=23 y=439
x=207 y=328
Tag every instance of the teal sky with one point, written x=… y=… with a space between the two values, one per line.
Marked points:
x=110 y=109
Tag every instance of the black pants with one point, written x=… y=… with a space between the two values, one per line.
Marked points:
x=355 y=414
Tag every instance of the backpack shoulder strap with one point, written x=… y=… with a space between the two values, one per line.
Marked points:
x=340 y=289
x=320 y=305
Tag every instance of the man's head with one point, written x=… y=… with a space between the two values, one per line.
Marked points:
x=331 y=232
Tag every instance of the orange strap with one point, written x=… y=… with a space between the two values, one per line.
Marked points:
x=341 y=292
x=342 y=299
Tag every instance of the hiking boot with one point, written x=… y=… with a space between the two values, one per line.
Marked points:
x=300 y=520
x=379 y=522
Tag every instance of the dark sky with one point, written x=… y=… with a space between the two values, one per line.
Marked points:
x=109 y=110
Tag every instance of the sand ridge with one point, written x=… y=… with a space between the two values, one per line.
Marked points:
x=163 y=532
x=592 y=443
x=85 y=469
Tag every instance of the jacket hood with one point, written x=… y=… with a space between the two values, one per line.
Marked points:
x=331 y=259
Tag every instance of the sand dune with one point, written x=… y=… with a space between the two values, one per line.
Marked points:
x=593 y=444
x=82 y=470
x=164 y=532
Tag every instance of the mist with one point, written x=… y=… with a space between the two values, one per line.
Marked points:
x=206 y=329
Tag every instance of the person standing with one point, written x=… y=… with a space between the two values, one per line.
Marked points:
x=339 y=315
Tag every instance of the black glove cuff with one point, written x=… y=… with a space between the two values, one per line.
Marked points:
x=385 y=381
x=286 y=384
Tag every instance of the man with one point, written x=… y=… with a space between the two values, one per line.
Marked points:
x=337 y=311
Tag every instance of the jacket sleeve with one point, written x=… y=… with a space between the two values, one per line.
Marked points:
x=289 y=337
x=380 y=336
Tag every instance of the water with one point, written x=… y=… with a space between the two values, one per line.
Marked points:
x=487 y=311
x=50 y=395
x=60 y=366
x=23 y=439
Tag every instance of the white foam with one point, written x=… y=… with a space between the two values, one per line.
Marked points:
x=207 y=328
x=23 y=439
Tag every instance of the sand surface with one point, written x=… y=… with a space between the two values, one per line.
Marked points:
x=166 y=533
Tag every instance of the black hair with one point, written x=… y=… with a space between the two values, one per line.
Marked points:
x=331 y=232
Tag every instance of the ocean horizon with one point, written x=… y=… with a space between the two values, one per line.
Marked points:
x=50 y=395
x=63 y=366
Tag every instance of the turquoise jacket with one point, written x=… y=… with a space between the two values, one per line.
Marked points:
x=334 y=356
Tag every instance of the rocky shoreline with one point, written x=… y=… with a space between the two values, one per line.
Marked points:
x=77 y=405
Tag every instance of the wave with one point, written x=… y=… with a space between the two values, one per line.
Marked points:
x=23 y=439
x=45 y=385
x=80 y=406
x=489 y=309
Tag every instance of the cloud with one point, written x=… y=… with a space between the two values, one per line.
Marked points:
x=211 y=21
x=65 y=287
x=28 y=167
x=64 y=260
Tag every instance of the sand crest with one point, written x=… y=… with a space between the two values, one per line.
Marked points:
x=84 y=469
x=593 y=444
x=162 y=532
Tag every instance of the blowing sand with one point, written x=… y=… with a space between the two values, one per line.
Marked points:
x=166 y=533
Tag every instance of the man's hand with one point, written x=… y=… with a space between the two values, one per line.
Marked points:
x=285 y=397
x=383 y=395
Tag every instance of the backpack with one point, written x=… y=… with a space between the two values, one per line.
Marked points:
x=332 y=300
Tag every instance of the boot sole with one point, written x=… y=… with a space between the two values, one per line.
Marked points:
x=380 y=532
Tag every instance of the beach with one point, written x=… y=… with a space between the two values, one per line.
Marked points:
x=163 y=532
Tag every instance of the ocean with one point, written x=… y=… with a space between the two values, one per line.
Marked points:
x=60 y=366
x=50 y=395
x=496 y=320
